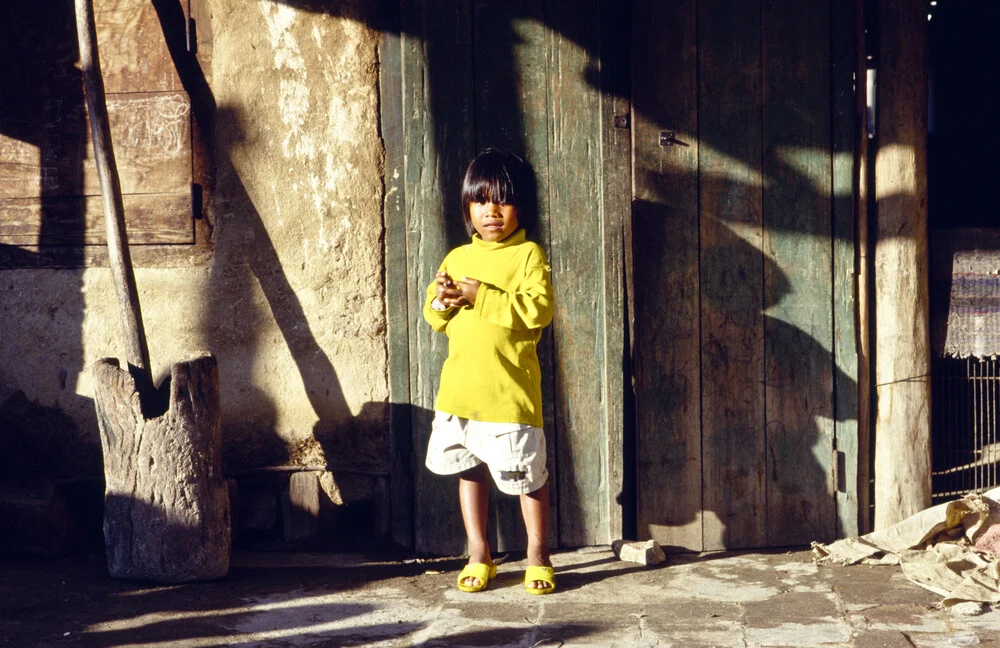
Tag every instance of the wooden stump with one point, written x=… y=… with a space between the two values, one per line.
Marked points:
x=166 y=505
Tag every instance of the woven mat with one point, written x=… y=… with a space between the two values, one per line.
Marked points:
x=973 y=327
x=965 y=292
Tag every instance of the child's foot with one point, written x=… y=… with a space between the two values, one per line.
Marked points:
x=539 y=579
x=476 y=576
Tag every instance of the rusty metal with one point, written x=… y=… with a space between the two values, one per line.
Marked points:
x=965 y=434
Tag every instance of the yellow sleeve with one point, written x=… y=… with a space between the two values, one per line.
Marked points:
x=529 y=307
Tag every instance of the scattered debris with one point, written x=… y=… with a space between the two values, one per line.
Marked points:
x=968 y=608
x=643 y=553
x=952 y=549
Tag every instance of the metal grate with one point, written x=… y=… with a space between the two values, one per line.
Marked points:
x=965 y=406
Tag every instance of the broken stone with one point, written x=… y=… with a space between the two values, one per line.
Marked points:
x=967 y=608
x=643 y=553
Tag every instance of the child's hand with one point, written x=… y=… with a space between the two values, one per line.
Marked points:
x=447 y=292
x=469 y=289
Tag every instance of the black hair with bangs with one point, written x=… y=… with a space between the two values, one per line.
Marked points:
x=500 y=177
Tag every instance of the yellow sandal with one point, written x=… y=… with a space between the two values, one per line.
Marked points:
x=485 y=573
x=539 y=573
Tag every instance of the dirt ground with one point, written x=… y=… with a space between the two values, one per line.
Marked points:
x=778 y=598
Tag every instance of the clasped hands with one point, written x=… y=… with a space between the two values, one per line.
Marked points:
x=456 y=293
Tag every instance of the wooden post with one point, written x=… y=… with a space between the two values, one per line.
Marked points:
x=166 y=505
x=119 y=259
x=863 y=274
x=902 y=346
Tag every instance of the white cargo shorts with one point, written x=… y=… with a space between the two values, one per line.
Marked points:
x=513 y=452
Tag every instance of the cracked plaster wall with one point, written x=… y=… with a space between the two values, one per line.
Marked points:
x=292 y=300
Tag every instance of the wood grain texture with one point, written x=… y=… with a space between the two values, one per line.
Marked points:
x=401 y=451
x=902 y=347
x=134 y=55
x=863 y=266
x=732 y=320
x=616 y=176
x=150 y=219
x=577 y=231
x=129 y=310
x=847 y=63
x=166 y=509
x=439 y=142
x=666 y=275
x=49 y=151
x=798 y=273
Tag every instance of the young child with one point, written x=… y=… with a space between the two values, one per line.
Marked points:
x=492 y=298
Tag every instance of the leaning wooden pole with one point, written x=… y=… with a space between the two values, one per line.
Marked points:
x=137 y=353
x=902 y=337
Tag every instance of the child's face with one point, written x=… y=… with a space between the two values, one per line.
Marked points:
x=493 y=221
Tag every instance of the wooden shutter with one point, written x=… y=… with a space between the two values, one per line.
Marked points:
x=49 y=193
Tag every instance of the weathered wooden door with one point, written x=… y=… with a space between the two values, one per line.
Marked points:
x=744 y=261
x=459 y=76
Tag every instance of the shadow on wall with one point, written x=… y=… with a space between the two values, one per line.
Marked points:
x=795 y=361
x=43 y=132
x=246 y=264
x=252 y=261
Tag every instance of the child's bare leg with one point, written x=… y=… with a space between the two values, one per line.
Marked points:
x=535 y=510
x=474 y=497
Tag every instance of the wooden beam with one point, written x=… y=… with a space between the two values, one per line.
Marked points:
x=136 y=351
x=902 y=346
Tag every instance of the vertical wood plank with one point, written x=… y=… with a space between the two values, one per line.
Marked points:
x=437 y=125
x=616 y=177
x=666 y=274
x=798 y=264
x=863 y=268
x=578 y=273
x=845 y=57
x=902 y=349
x=401 y=451
x=510 y=113
x=732 y=338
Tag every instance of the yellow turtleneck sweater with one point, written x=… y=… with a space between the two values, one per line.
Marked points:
x=492 y=372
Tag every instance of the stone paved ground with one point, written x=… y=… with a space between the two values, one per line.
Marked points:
x=318 y=600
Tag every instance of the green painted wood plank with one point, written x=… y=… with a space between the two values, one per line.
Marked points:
x=732 y=337
x=616 y=176
x=577 y=261
x=851 y=473
x=510 y=113
x=801 y=504
x=666 y=274
x=397 y=324
x=437 y=126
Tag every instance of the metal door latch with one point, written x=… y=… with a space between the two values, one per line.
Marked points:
x=669 y=138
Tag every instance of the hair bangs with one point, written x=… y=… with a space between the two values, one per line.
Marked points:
x=489 y=183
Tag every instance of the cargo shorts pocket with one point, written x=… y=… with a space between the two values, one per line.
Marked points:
x=517 y=459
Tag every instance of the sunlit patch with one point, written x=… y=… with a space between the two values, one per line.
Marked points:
x=898 y=160
x=815 y=165
x=294 y=618
x=20 y=164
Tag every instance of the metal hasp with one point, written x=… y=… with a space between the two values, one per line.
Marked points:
x=669 y=138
